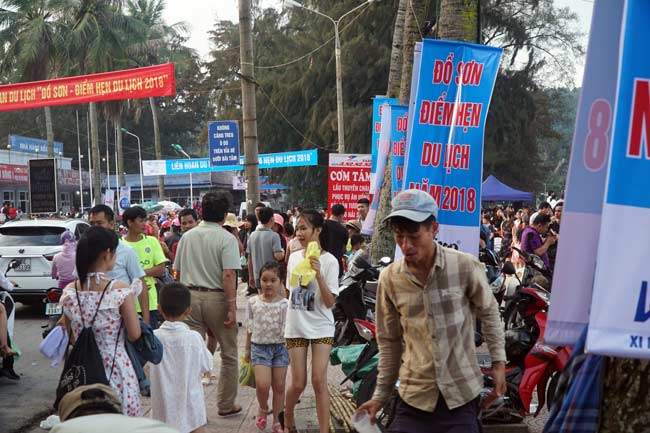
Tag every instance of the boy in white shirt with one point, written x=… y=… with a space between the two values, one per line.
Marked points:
x=177 y=394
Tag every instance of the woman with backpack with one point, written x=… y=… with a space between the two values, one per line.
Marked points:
x=108 y=308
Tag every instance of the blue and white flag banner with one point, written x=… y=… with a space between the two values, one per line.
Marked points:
x=575 y=263
x=417 y=59
x=398 y=129
x=163 y=167
x=620 y=307
x=377 y=180
x=377 y=108
x=445 y=156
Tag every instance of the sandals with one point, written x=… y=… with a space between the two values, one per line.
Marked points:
x=260 y=421
x=236 y=410
x=277 y=428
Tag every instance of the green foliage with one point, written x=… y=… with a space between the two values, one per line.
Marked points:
x=529 y=126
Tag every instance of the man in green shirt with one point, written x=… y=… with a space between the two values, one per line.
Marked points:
x=150 y=253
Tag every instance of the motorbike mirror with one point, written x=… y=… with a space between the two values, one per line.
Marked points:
x=13 y=264
x=509 y=268
x=385 y=261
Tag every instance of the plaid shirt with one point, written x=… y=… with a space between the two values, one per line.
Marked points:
x=425 y=332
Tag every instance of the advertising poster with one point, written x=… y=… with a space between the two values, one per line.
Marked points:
x=109 y=198
x=377 y=180
x=620 y=307
x=43 y=193
x=223 y=137
x=377 y=108
x=398 y=130
x=573 y=276
x=135 y=83
x=348 y=180
x=125 y=198
x=163 y=167
x=35 y=146
x=445 y=154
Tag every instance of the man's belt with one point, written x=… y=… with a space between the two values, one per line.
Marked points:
x=204 y=289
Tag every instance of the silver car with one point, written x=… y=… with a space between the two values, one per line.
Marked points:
x=34 y=243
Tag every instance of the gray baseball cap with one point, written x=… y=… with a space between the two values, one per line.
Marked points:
x=413 y=204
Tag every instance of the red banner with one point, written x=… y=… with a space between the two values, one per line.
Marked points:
x=348 y=180
x=19 y=174
x=126 y=84
x=10 y=173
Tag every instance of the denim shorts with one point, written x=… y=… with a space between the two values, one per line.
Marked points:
x=270 y=355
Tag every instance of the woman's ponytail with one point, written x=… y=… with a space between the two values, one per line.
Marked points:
x=90 y=246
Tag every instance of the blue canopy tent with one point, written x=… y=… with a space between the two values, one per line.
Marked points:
x=494 y=190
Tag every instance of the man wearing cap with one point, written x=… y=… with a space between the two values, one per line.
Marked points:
x=427 y=304
x=263 y=246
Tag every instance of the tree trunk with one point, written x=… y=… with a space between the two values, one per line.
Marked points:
x=459 y=20
x=249 y=108
x=625 y=407
x=383 y=244
x=157 y=146
x=395 y=71
x=49 y=131
x=94 y=136
x=120 y=153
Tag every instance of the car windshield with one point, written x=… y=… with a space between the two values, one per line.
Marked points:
x=30 y=236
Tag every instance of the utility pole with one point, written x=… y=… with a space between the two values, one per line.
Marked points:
x=249 y=109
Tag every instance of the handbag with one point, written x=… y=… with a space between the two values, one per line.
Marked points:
x=84 y=365
x=148 y=347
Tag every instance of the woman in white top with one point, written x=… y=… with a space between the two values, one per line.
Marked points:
x=310 y=321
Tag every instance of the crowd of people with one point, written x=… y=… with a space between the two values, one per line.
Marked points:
x=528 y=229
x=178 y=275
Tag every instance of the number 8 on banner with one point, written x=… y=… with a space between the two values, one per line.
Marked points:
x=597 y=141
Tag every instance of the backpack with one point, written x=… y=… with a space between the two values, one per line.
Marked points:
x=84 y=365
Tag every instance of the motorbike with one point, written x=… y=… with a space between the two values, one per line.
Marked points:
x=357 y=297
x=532 y=364
x=7 y=369
x=53 y=310
x=363 y=371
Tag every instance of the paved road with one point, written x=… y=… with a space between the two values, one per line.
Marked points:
x=27 y=401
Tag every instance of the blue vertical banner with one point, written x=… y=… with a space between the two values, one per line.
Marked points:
x=620 y=307
x=377 y=107
x=573 y=277
x=223 y=137
x=445 y=151
x=377 y=178
x=399 y=124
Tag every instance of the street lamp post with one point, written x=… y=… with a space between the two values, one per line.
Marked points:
x=337 y=56
x=124 y=130
x=9 y=150
x=179 y=148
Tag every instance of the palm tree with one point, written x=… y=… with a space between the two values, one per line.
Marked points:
x=31 y=36
x=96 y=41
x=159 y=43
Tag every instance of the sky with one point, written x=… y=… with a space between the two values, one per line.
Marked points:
x=201 y=15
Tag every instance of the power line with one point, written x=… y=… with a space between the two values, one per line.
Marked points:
x=281 y=65
x=268 y=98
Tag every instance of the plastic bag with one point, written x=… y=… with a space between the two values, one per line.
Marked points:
x=303 y=273
x=246 y=373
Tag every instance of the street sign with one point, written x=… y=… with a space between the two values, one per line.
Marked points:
x=224 y=142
